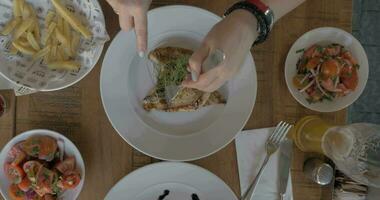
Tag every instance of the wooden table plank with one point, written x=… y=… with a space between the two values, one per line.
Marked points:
x=77 y=111
x=7 y=124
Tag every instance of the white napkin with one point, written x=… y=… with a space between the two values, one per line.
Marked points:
x=250 y=149
x=4 y=84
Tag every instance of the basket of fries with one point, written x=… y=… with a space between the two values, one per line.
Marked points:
x=47 y=45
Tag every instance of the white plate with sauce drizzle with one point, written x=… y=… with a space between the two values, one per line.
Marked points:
x=171 y=181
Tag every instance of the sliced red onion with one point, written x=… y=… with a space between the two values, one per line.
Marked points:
x=336 y=82
x=307 y=86
x=321 y=89
x=304 y=78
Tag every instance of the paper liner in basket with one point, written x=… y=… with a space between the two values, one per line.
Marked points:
x=27 y=76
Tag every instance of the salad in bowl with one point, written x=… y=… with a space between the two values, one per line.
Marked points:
x=41 y=165
x=326 y=72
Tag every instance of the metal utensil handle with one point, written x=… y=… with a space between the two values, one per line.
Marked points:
x=256 y=180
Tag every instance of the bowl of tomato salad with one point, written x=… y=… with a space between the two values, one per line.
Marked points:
x=43 y=165
x=326 y=69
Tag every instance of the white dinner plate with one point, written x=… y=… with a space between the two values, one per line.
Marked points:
x=181 y=180
x=126 y=79
x=69 y=148
x=324 y=36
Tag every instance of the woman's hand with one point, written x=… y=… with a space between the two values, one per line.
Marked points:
x=132 y=14
x=234 y=35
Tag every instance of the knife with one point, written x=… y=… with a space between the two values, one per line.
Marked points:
x=284 y=166
x=215 y=58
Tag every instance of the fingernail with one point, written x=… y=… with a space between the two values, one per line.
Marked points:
x=141 y=54
x=194 y=76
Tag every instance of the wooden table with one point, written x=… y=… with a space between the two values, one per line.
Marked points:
x=77 y=111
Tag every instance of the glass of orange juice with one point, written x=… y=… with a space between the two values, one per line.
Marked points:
x=308 y=134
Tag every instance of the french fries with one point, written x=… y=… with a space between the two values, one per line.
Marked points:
x=23 y=49
x=43 y=52
x=60 y=38
x=49 y=32
x=10 y=26
x=13 y=50
x=25 y=25
x=32 y=41
x=49 y=17
x=70 y=18
x=17 y=8
x=75 y=42
x=67 y=65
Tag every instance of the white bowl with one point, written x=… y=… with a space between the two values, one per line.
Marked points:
x=37 y=76
x=324 y=36
x=70 y=149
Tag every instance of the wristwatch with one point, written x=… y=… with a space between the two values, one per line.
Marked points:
x=263 y=14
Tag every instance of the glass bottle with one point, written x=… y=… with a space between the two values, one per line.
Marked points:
x=354 y=148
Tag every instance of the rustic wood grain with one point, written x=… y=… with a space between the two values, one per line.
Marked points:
x=7 y=123
x=77 y=111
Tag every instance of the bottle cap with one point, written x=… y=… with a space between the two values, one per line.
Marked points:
x=318 y=171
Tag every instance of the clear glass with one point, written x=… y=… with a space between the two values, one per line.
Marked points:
x=355 y=149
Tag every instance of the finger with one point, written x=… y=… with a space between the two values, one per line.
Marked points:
x=126 y=21
x=204 y=80
x=215 y=85
x=141 y=32
x=196 y=60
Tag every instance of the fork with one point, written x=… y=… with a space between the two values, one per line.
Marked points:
x=271 y=146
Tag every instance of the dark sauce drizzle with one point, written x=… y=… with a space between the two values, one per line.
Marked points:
x=194 y=197
x=162 y=196
x=166 y=193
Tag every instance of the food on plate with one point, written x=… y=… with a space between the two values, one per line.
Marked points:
x=58 y=43
x=171 y=66
x=326 y=72
x=38 y=169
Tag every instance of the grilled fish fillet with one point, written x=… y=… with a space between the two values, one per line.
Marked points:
x=187 y=99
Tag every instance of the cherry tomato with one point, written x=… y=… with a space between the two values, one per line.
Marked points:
x=313 y=63
x=333 y=50
x=350 y=78
x=313 y=51
x=31 y=169
x=67 y=164
x=48 y=149
x=43 y=147
x=70 y=180
x=15 y=193
x=14 y=173
x=25 y=184
x=297 y=81
x=347 y=55
x=330 y=68
x=46 y=178
x=16 y=155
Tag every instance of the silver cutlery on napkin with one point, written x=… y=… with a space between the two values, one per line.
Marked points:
x=284 y=166
x=272 y=144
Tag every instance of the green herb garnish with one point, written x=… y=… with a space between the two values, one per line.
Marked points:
x=329 y=98
x=320 y=49
x=35 y=151
x=300 y=50
x=171 y=73
x=357 y=66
